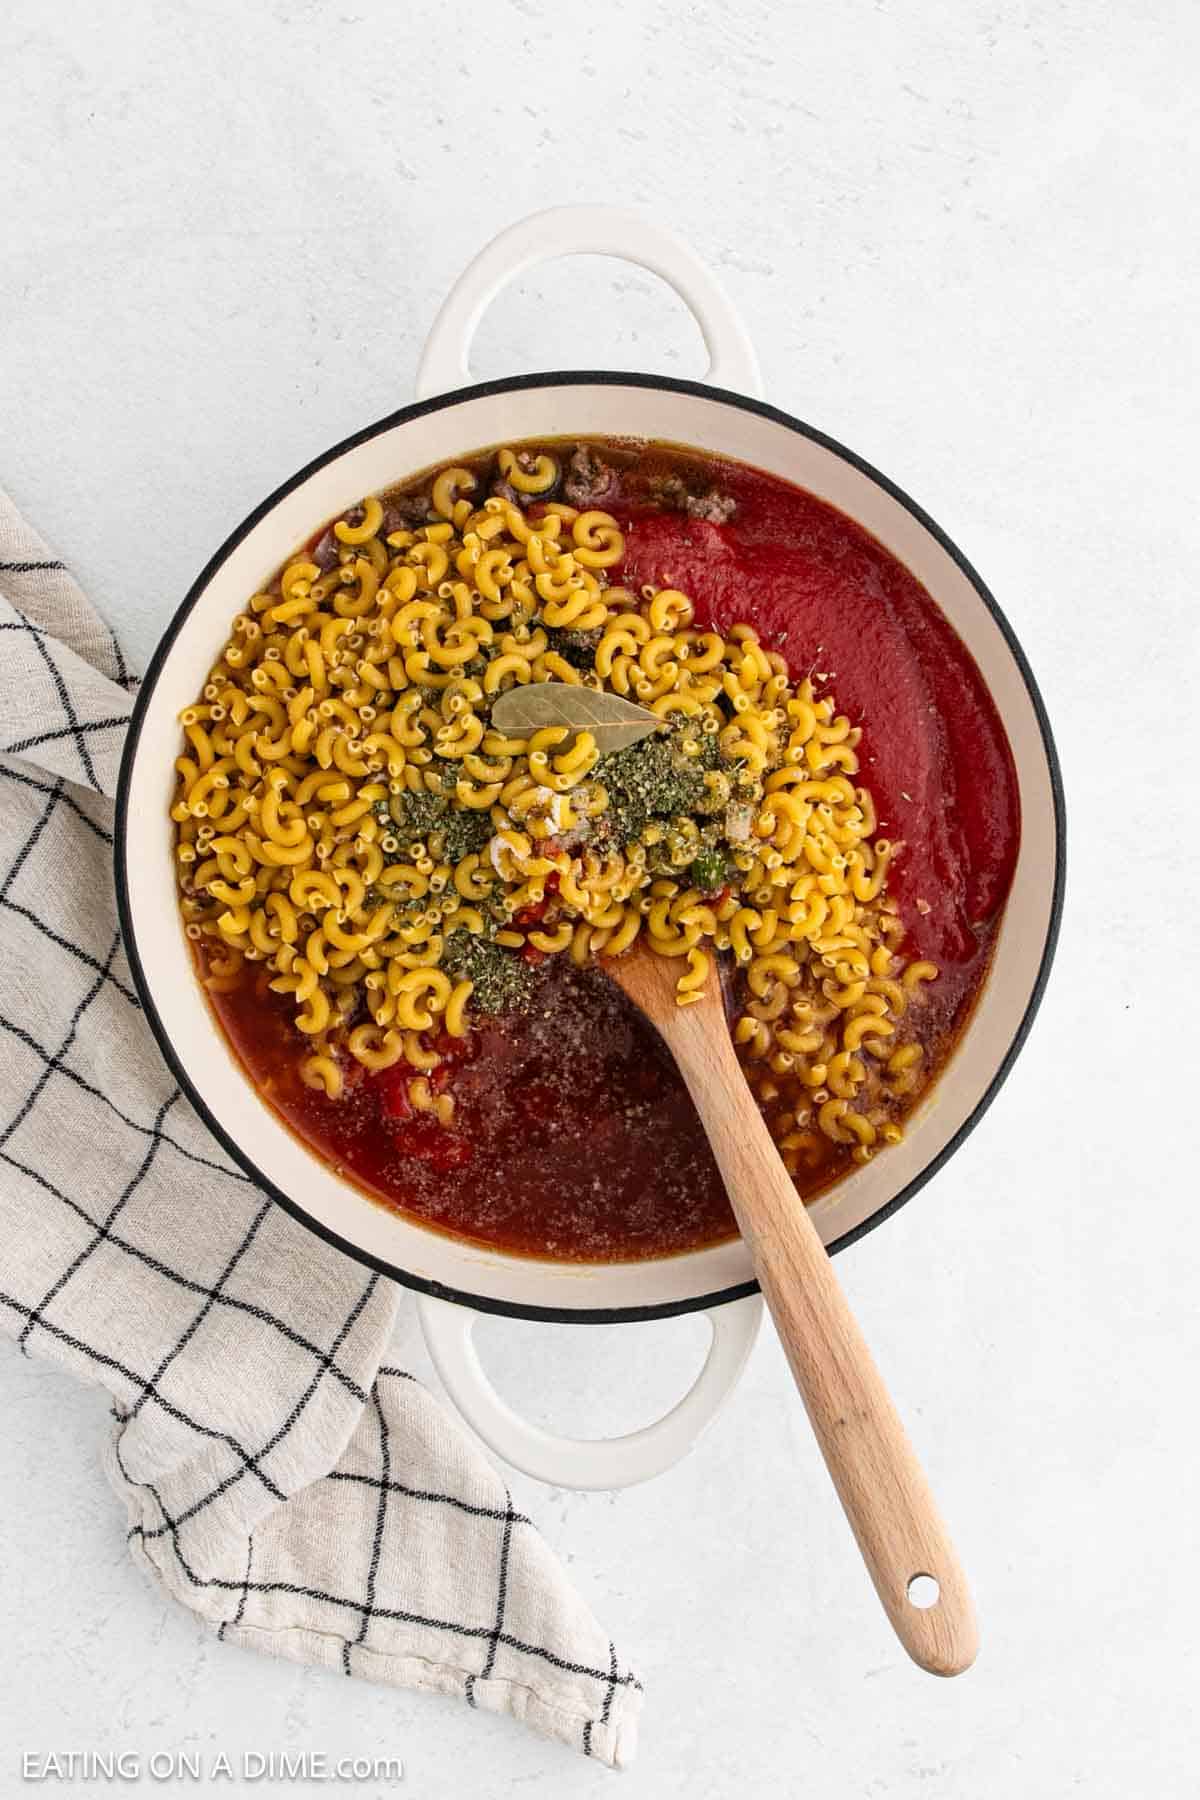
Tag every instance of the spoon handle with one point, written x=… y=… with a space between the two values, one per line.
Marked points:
x=879 y=1481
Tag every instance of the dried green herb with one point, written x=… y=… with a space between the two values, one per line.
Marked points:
x=710 y=871
x=463 y=832
x=416 y=812
x=649 y=780
x=503 y=981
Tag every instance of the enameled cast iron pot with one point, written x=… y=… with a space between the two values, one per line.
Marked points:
x=449 y=418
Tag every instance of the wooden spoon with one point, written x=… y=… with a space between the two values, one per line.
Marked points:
x=879 y=1481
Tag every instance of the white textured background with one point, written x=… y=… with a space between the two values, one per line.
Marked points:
x=964 y=239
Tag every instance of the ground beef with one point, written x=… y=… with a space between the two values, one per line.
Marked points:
x=577 y=647
x=403 y=511
x=716 y=508
x=325 y=551
x=590 y=480
x=669 y=491
x=501 y=490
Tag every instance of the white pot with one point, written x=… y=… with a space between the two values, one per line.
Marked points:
x=440 y=427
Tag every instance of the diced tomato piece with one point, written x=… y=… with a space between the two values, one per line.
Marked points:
x=392 y=1085
x=551 y=882
x=533 y=956
x=531 y=915
x=431 y=1143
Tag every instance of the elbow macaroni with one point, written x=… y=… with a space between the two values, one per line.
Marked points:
x=340 y=693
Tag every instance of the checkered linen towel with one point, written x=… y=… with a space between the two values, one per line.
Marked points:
x=281 y=1480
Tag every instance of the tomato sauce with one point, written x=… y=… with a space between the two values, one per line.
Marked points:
x=573 y=1135
x=842 y=610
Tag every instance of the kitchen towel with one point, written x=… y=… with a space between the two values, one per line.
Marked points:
x=281 y=1478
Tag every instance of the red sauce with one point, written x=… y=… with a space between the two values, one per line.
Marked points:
x=573 y=1135
x=838 y=606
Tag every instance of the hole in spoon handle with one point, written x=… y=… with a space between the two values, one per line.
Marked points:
x=933 y=1615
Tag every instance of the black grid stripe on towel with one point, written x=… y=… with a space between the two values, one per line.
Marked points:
x=293 y=1489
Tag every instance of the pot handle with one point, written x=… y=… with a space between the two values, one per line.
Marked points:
x=587 y=1462
x=581 y=231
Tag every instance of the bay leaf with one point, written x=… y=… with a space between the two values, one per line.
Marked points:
x=614 y=722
